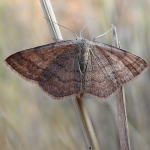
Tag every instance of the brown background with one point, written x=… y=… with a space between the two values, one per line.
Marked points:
x=31 y=120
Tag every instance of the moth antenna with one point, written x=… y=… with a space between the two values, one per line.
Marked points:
x=85 y=26
x=103 y=33
x=62 y=26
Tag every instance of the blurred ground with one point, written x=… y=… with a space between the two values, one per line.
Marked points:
x=31 y=120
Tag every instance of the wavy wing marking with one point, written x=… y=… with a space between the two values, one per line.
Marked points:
x=110 y=67
x=51 y=66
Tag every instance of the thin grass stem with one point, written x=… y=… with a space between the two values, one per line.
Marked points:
x=121 y=106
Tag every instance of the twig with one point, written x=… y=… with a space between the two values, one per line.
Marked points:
x=78 y=102
x=86 y=124
x=49 y=15
x=121 y=106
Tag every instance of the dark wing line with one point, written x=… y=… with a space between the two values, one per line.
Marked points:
x=13 y=66
x=66 y=81
x=123 y=60
x=105 y=73
x=133 y=66
x=99 y=91
x=112 y=68
x=100 y=69
x=49 y=56
x=62 y=66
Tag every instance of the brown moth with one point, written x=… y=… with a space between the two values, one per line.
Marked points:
x=71 y=68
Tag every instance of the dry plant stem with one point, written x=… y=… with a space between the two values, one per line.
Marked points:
x=121 y=107
x=122 y=120
x=86 y=124
x=49 y=15
x=79 y=106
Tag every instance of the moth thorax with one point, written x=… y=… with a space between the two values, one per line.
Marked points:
x=86 y=55
x=84 y=60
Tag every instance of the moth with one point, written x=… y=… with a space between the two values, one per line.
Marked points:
x=72 y=68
